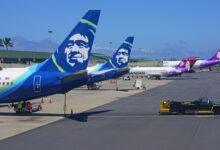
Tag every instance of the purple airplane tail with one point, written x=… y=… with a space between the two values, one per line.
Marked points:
x=216 y=56
x=187 y=63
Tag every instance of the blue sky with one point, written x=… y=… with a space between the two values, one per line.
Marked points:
x=189 y=27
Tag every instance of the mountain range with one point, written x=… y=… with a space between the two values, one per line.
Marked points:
x=178 y=49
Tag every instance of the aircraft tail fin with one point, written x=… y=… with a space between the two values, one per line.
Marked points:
x=73 y=53
x=187 y=63
x=216 y=56
x=121 y=57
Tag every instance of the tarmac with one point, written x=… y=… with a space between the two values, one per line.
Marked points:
x=78 y=100
x=133 y=122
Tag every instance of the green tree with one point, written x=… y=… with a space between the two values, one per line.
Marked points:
x=1 y=43
x=7 y=42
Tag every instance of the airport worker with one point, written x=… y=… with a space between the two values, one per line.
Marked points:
x=29 y=105
x=19 y=106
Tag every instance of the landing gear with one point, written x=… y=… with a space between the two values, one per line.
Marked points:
x=64 y=105
x=157 y=77
x=116 y=84
x=93 y=86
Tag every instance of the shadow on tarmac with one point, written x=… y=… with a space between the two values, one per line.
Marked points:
x=120 y=90
x=102 y=89
x=30 y=114
x=182 y=78
x=83 y=117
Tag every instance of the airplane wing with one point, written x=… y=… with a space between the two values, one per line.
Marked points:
x=108 y=70
x=122 y=69
x=101 y=72
x=75 y=76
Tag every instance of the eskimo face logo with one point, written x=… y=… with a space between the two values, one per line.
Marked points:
x=122 y=56
x=77 y=49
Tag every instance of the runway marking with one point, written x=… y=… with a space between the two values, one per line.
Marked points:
x=124 y=116
x=204 y=116
x=156 y=116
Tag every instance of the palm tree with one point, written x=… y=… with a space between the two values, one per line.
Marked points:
x=7 y=42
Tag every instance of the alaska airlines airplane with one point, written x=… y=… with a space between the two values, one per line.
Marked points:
x=200 y=64
x=115 y=67
x=63 y=71
x=158 y=72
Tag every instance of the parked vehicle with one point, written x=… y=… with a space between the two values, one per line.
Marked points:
x=201 y=105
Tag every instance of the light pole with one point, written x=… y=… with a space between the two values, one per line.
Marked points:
x=50 y=40
x=110 y=45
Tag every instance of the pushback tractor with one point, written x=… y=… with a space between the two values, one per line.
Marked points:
x=202 y=105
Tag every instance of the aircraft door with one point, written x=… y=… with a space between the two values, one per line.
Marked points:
x=37 y=84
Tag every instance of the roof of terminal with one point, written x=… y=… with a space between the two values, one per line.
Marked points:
x=23 y=54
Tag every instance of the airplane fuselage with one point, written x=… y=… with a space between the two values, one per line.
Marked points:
x=22 y=84
x=200 y=64
x=161 y=71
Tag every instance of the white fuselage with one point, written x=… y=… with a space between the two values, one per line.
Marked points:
x=8 y=75
x=161 y=71
x=198 y=64
x=174 y=63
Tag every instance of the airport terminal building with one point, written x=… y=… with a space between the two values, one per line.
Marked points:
x=23 y=57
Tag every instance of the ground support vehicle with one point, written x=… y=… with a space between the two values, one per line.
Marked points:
x=94 y=86
x=201 y=105
x=27 y=107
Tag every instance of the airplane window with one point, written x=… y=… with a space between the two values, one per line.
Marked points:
x=7 y=83
x=3 y=83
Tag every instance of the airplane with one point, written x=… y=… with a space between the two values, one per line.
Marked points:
x=200 y=64
x=158 y=72
x=116 y=66
x=63 y=71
